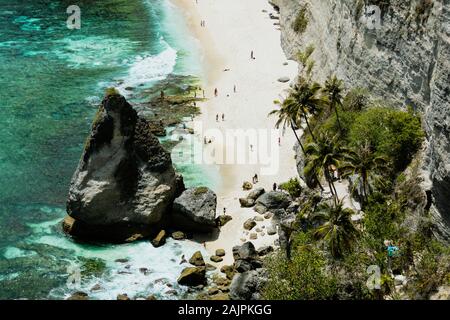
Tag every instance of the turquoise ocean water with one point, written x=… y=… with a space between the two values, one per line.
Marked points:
x=51 y=82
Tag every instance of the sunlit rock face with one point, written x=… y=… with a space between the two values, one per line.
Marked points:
x=406 y=62
x=125 y=182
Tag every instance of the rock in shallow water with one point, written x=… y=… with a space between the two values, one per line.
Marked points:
x=193 y=276
x=125 y=182
x=160 y=239
x=197 y=259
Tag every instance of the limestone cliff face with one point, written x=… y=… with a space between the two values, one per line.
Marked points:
x=406 y=61
x=125 y=182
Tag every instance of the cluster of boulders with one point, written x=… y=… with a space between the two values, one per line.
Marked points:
x=242 y=280
x=195 y=277
x=249 y=276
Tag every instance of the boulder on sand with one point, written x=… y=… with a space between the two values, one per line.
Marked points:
x=220 y=252
x=195 y=210
x=274 y=200
x=255 y=194
x=246 y=202
x=125 y=182
x=284 y=79
x=216 y=259
x=247 y=185
x=223 y=220
x=246 y=252
x=249 y=224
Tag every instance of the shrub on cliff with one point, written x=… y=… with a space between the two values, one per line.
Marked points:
x=301 y=21
x=302 y=278
x=393 y=133
x=292 y=187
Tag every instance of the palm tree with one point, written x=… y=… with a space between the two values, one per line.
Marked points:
x=308 y=99
x=333 y=90
x=322 y=155
x=336 y=228
x=364 y=163
x=288 y=116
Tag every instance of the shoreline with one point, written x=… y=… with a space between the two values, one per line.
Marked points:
x=242 y=27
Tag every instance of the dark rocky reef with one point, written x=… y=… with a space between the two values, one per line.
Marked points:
x=125 y=182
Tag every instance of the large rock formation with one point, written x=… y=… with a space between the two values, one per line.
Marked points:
x=195 y=210
x=406 y=61
x=125 y=182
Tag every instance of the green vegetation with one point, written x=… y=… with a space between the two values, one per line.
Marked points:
x=302 y=278
x=292 y=187
x=322 y=154
x=200 y=190
x=111 y=92
x=336 y=228
x=375 y=147
x=301 y=21
x=92 y=267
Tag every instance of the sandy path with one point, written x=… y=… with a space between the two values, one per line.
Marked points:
x=234 y=28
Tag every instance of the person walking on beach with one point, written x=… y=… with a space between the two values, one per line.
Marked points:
x=217 y=118
x=279 y=141
x=252 y=55
x=216 y=92
x=224 y=211
x=274 y=186
x=234 y=89
x=223 y=117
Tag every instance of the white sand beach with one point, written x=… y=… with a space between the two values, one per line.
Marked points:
x=233 y=29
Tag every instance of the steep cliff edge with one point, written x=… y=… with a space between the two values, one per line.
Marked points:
x=405 y=62
x=125 y=182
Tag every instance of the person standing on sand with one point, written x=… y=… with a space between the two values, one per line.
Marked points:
x=223 y=117
x=216 y=92
x=234 y=88
x=274 y=186
x=252 y=55
x=217 y=118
